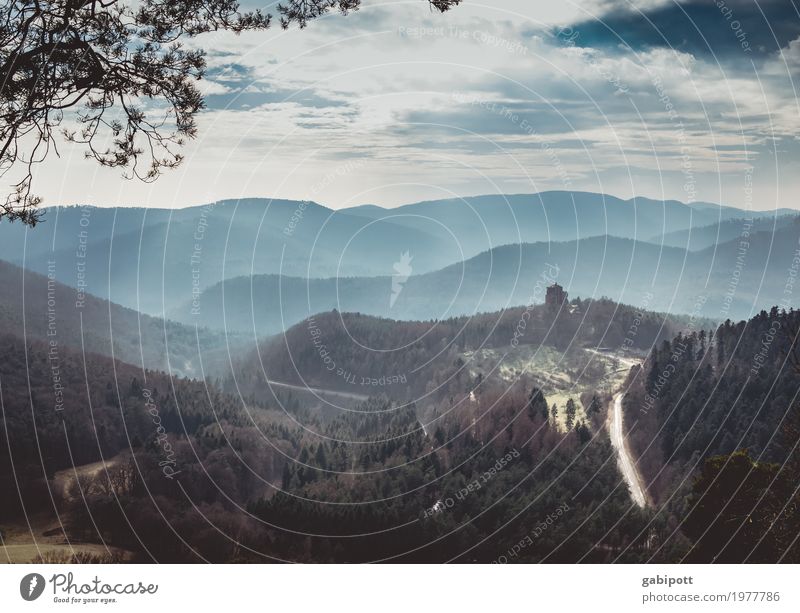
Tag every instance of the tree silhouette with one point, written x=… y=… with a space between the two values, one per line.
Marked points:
x=738 y=511
x=537 y=405
x=571 y=410
x=122 y=67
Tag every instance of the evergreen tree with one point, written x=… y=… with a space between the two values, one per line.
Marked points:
x=571 y=410
x=702 y=351
x=287 y=477
x=584 y=434
x=321 y=460
x=537 y=405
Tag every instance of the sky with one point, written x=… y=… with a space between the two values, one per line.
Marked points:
x=693 y=100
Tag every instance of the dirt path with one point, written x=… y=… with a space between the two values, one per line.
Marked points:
x=64 y=480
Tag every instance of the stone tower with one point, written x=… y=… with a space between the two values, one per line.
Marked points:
x=556 y=297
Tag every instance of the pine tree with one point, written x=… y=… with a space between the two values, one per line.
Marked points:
x=584 y=434
x=702 y=351
x=537 y=404
x=321 y=460
x=571 y=410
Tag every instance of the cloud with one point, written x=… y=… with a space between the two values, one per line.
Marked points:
x=213 y=88
x=725 y=30
x=500 y=97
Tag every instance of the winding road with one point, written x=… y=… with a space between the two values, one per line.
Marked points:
x=625 y=461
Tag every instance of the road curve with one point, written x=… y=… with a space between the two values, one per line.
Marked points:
x=625 y=461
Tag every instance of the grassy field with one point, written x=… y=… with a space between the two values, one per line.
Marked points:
x=41 y=538
x=561 y=375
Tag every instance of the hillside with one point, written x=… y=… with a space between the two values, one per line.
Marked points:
x=37 y=307
x=181 y=461
x=151 y=434
x=696 y=239
x=391 y=477
x=425 y=361
x=714 y=422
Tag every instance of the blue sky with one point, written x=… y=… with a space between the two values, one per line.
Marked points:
x=685 y=100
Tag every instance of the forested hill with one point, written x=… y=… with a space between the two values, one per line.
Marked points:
x=715 y=417
x=35 y=306
x=86 y=406
x=174 y=452
x=185 y=460
x=361 y=353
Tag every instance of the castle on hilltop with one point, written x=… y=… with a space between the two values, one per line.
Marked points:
x=555 y=297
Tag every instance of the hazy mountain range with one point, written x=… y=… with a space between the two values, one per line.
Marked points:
x=278 y=261
x=36 y=307
x=732 y=280
x=152 y=259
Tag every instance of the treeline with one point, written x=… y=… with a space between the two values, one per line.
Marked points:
x=714 y=419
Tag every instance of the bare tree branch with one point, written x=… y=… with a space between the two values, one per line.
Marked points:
x=121 y=72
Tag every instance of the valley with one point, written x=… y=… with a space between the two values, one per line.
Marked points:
x=321 y=415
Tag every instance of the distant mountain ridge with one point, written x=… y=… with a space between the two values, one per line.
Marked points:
x=726 y=281
x=154 y=260
x=696 y=239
